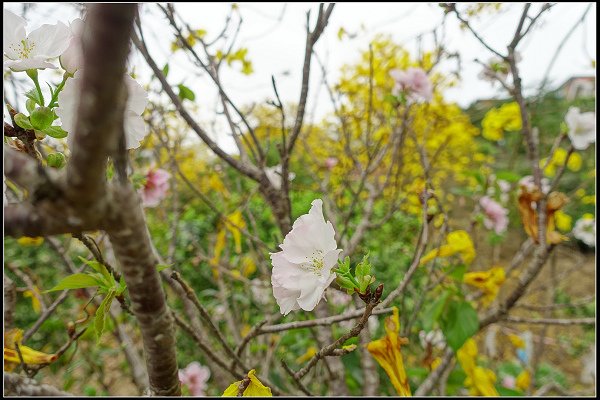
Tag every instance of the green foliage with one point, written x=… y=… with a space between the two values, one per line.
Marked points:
x=459 y=322
x=185 y=93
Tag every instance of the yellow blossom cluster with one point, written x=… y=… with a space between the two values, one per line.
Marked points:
x=558 y=159
x=498 y=120
x=480 y=381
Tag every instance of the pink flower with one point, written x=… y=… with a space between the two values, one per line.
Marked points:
x=414 y=81
x=496 y=215
x=195 y=377
x=331 y=162
x=509 y=382
x=157 y=183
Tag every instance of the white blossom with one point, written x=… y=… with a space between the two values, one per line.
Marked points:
x=23 y=52
x=135 y=128
x=434 y=338
x=72 y=58
x=582 y=128
x=302 y=270
x=274 y=176
x=585 y=230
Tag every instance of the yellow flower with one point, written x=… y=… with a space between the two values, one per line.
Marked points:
x=588 y=200
x=458 y=242
x=387 y=353
x=498 y=120
x=575 y=162
x=35 y=302
x=588 y=216
x=30 y=241
x=235 y=222
x=579 y=193
x=219 y=246
x=523 y=380
x=30 y=356
x=563 y=221
x=248 y=266
x=254 y=388
x=312 y=350
x=528 y=201
x=480 y=381
x=517 y=341
x=488 y=282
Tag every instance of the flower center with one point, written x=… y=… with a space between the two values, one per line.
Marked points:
x=23 y=49
x=315 y=262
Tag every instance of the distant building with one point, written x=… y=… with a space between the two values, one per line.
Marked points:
x=578 y=86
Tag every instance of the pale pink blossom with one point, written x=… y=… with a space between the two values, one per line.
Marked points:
x=509 y=382
x=414 y=81
x=582 y=128
x=529 y=184
x=195 y=377
x=72 y=58
x=585 y=230
x=496 y=216
x=302 y=270
x=157 y=184
x=331 y=162
x=23 y=52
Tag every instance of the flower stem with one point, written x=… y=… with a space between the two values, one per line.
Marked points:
x=58 y=89
x=33 y=74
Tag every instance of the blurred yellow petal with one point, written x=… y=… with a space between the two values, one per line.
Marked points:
x=458 y=242
x=387 y=353
x=488 y=282
x=307 y=355
x=30 y=241
x=35 y=302
x=523 y=380
x=517 y=341
x=254 y=389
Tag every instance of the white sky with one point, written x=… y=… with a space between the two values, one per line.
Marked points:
x=275 y=36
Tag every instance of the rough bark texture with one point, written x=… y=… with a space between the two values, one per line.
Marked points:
x=18 y=385
x=133 y=250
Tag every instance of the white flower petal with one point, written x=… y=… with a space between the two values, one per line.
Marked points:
x=135 y=130
x=28 y=63
x=137 y=97
x=49 y=40
x=13 y=31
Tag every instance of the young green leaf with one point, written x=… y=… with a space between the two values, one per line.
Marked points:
x=75 y=281
x=101 y=314
x=34 y=95
x=433 y=311
x=186 y=93
x=56 y=132
x=23 y=121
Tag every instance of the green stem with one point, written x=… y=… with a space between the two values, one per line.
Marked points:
x=33 y=74
x=58 y=89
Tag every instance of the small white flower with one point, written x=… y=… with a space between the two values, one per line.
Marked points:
x=435 y=338
x=72 y=58
x=302 y=270
x=274 y=175
x=135 y=128
x=528 y=182
x=23 y=52
x=585 y=230
x=582 y=128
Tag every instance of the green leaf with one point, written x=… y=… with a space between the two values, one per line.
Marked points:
x=122 y=286
x=459 y=323
x=23 y=121
x=56 y=132
x=504 y=391
x=363 y=268
x=56 y=160
x=344 y=266
x=186 y=93
x=344 y=282
x=433 y=311
x=165 y=70
x=107 y=280
x=30 y=105
x=101 y=314
x=75 y=281
x=457 y=272
x=162 y=267
x=34 y=95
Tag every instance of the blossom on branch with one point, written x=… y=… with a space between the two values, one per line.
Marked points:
x=585 y=230
x=414 y=82
x=137 y=99
x=496 y=216
x=23 y=52
x=302 y=270
x=582 y=128
x=488 y=282
x=195 y=377
x=253 y=387
x=155 y=189
x=72 y=58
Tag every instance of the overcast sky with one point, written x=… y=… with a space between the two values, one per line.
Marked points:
x=274 y=33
